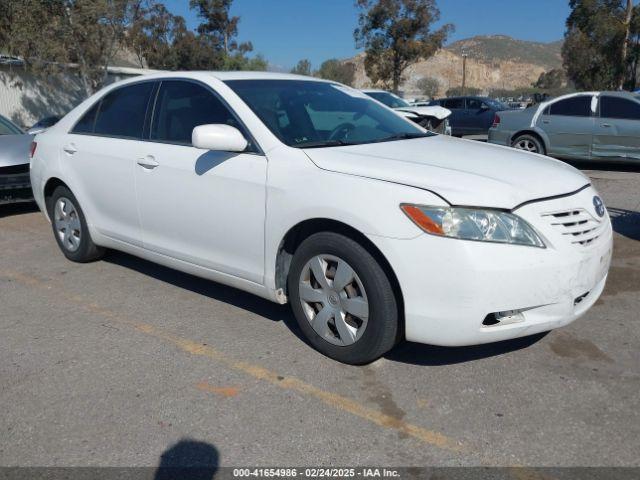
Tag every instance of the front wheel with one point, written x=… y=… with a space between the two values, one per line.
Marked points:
x=528 y=143
x=342 y=299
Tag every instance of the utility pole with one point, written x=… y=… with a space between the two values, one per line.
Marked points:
x=464 y=71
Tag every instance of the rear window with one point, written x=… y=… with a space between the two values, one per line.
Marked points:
x=572 y=107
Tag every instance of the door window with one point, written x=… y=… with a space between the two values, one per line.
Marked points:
x=474 y=104
x=181 y=106
x=122 y=112
x=454 y=103
x=572 y=107
x=615 y=107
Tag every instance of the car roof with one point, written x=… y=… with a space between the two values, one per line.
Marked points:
x=232 y=75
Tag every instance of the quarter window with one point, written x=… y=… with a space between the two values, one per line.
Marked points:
x=614 y=107
x=88 y=121
x=122 y=112
x=182 y=106
x=572 y=107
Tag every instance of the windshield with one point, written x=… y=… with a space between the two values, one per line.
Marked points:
x=9 y=128
x=307 y=114
x=389 y=99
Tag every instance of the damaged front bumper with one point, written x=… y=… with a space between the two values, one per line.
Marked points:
x=15 y=184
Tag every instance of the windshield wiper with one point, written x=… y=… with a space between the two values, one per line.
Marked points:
x=323 y=143
x=405 y=136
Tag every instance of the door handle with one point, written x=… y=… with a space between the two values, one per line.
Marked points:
x=70 y=148
x=148 y=162
x=606 y=125
x=546 y=122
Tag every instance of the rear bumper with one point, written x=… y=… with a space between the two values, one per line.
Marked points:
x=15 y=184
x=499 y=137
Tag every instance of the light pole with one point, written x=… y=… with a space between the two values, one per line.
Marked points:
x=464 y=71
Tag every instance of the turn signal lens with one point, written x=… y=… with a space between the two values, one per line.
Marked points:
x=473 y=224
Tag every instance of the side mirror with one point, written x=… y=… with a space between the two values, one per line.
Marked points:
x=218 y=137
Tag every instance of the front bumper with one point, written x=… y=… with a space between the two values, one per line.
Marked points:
x=15 y=184
x=450 y=287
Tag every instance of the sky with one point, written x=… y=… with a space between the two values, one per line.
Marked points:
x=285 y=31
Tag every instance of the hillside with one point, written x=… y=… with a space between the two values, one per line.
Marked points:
x=493 y=62
x=502 y=48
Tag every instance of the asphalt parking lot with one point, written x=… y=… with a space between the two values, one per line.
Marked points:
x=118 y=362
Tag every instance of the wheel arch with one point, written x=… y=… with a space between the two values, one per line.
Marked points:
x=304 y=229
x=49 y=187
x=533 y=132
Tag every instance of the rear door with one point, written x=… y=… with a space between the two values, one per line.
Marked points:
x=569 y=125
x=479 y=117
x=617 y=130
x=457 y=120
x=100 y=153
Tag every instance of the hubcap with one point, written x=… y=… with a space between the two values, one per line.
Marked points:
x=67 y=224
x=334 y=300
x=527 y=145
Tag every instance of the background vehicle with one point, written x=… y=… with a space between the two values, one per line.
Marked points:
x=581 y=126
x=306 y=191
x=432 y=118
x=42 y=125
x=15 y=185
x=470 y=115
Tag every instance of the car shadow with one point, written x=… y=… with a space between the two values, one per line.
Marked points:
x=11 y=209
x=430 y=355
x=188 y=459
x=625 y=222
x=605 y=166
x=208 y=288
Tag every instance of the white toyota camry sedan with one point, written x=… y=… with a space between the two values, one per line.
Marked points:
x=306 y=191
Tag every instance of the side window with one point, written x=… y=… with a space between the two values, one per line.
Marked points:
x=88 y=120
x=615 y=107
x=572 y=107
x=473 y=104
x=122 y=112
x=454 y=103
x=182 y=106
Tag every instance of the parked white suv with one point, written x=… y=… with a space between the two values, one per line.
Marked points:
x=307 y=191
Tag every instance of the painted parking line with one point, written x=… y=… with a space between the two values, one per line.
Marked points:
x=334 y=400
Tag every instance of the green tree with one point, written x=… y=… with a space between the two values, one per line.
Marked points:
x=428 y=86
x=597 y=51
x=334 y=69
x=396 y=34
x=553 y=79
x=303 y=67
x=51 y=34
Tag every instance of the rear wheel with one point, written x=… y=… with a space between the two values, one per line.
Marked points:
x=70 y=227
x=529 y=143
x=342 y=299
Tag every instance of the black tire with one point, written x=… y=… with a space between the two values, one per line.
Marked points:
x=536 y=146
x=86 y=251
x=381 y=331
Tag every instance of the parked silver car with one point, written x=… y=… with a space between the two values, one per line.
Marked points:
x=15 y=184
x=580 y=126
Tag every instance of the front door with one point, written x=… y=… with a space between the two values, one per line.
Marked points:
x=203 y=207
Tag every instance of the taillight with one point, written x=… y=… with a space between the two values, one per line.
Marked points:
x=32 y=150
x=496 y=121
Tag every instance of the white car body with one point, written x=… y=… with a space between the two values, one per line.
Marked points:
x=225 y=217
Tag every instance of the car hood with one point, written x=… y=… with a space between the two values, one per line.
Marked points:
x=14 y=149
x=464 y=172
x=433 y=111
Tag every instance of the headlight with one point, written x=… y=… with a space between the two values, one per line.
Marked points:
x=473 y=224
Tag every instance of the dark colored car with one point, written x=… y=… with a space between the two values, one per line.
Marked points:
x=471 y=115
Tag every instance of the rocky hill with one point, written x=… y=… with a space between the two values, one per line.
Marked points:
x=493 y=62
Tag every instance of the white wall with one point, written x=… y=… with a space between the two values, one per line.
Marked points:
x=25 y=99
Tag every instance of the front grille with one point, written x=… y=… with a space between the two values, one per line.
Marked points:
x=577 y=225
